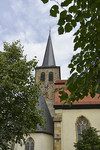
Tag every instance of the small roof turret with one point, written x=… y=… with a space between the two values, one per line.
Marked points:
x=49 y=59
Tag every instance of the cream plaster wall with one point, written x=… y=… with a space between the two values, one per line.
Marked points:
x=41 y=142
x=68 y=128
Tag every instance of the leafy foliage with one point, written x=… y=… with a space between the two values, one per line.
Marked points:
x=83 y=17
x=90 y=140
x=18 y=95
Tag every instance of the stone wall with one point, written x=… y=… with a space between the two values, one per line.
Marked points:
x=47 y=86
x=57 y=131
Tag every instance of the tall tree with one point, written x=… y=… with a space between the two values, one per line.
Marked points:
x=18 y=95
x=83 y=17
x=90 y=140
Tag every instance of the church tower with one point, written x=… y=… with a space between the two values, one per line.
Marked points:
x=47 y=74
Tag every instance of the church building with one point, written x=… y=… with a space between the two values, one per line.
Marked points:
x=63 y=123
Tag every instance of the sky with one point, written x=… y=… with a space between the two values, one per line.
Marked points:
x=29 y=21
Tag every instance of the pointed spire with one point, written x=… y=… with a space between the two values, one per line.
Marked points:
x=49 y=59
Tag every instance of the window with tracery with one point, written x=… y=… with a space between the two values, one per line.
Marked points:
x=82 y=124
x=29 y=144
x=43 y=76
x=50 y=76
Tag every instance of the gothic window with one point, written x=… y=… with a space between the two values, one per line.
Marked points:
x=29 y=144
x=50 y=76
x=43 y=76
x=82 y=124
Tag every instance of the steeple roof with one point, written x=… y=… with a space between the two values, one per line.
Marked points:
x=49 y=59
x=45 y=115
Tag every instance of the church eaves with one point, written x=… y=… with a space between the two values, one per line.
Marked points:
x=49 y=59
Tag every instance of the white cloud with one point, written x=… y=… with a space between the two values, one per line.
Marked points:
x=36 y=49
x=29 y=22
x=18 y=6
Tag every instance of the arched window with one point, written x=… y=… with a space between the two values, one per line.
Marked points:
x=29 y=144
x=50 y=76
x=43 y=76
x=82 y=124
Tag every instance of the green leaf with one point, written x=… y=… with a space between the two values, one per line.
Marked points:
x=68 y=18
x=99 y=70
x=61 y=22
x=76 y=46
x=60 y=30
x=63 y=14
x=98 y=89
x=72 y=70
x=68 y=27
x=76 y=39
x=66 y=3
x=73 y=23
x=70 y=65
x=92 y=93
x=54 y=11
x=79 y=69
x=98 y=81
x=73 y=9
x=63 y=96
x=44 y=1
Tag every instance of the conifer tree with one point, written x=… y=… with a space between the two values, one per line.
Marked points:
x=90 y=140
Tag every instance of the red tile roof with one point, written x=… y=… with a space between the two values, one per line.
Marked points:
x=60 y=81
x=86 y=100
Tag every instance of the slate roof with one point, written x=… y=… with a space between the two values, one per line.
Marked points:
x=45 y=115
x=49 y=59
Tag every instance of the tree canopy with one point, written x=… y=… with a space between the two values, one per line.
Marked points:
x=18 y=95
x=90 y=140
x=83 y=17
